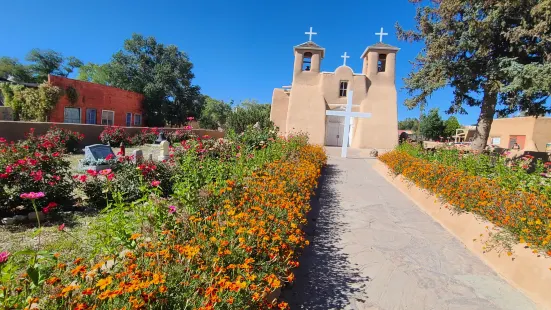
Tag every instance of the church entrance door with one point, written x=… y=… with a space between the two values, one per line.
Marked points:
x=334 y=127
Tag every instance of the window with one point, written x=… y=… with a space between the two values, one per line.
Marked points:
x=91 y=116
x=342 y=88
x=381 y=64
x=306 y=61
x=128 y=119
x=72 y=115
x=496 y=140
x=107 y=117
x=137 y=119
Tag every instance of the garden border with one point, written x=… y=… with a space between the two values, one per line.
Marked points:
x=524 y=270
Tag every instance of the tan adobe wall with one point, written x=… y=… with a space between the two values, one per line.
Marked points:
x=542 y=133
x=14 y=131
x=519 y=126
x=278 y=111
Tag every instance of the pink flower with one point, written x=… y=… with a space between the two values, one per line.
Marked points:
x=171 y=209
x=4 y=256
x=61 y=227
x=110 y=176
x=32 y=195
x=3 y=140
x=105 y=171
x=37 y=175
x=190 y=118
x=155 y=183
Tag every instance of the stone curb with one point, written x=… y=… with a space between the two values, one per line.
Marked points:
x=524 y=270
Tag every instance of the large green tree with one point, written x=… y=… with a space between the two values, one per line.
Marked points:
x=408 y=124
x=450 y=126
x=44 y=62
x=163 y=74
x=215 y=113
x=248 y=113
x=11 y=68
x=432 y=126
x=94 y=73
x=493 y=54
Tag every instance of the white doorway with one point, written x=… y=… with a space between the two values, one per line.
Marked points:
x=334 y=128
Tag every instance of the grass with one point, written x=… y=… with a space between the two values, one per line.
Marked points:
x=70 y=243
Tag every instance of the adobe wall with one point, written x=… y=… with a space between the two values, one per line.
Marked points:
x=542 y=133
x=505 y=127
x=96 y=96
x=278 y=111
x=13 y=131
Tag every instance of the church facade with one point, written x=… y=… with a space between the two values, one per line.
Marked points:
x=302 y=106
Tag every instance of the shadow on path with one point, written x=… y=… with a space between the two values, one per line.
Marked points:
x=325 y=278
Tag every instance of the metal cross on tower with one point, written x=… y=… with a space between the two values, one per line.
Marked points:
x=381 y=34
x=347 y=115
x=344 y=57
x=310 y=33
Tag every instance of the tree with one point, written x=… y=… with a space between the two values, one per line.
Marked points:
x=11 y=68
x=408 y=124
x=94 y=73
x=248 y=113
x=489 y=52
x=162 y=74
x=450 y=126
x=432 y=126
x=44 y=62
x=215 y=113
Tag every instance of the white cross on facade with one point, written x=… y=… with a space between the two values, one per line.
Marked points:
x=310 y=33
x=344 y=56
x=381 y=34
x=347 y=115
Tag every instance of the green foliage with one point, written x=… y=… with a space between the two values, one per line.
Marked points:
x=163 y=74
x=408 y=124
x=248 y=113
x=44 y=62
x=11 y=68
x=94 y=73
x=215 y=113
x=450 y=126
x=30 y=103
x=432 y=126
x=71 y=94
x=489 y=52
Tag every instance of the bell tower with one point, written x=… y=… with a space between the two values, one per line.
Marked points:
x=308 y=56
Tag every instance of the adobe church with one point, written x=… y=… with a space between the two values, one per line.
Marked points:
x=302 y=106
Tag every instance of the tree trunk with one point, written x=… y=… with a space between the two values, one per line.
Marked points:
x=487 y=112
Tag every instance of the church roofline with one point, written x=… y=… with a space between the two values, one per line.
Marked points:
x=381 y=47
x=310 y=45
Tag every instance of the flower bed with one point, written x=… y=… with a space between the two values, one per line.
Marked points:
x=36 y=165
x=227 y=238
x=525 y=213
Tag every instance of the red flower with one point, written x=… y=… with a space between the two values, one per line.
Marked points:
x=61 y=227
x=155 y=183
x=91 y=172
x=110 y=176
x=3 y=140
x=82 y=178
x=109 y=157
x=33 y=162
x=3 y=175
x=56 y=154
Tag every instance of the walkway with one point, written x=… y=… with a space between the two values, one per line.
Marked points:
x=372 y=248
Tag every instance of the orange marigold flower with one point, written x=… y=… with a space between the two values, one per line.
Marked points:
x=78 y=269
x=88 y=291
x=135 y=236
x=103 y=283
x=53 y=280
x=163 y=289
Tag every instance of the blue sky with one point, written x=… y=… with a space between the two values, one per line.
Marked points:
x=240 y=49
